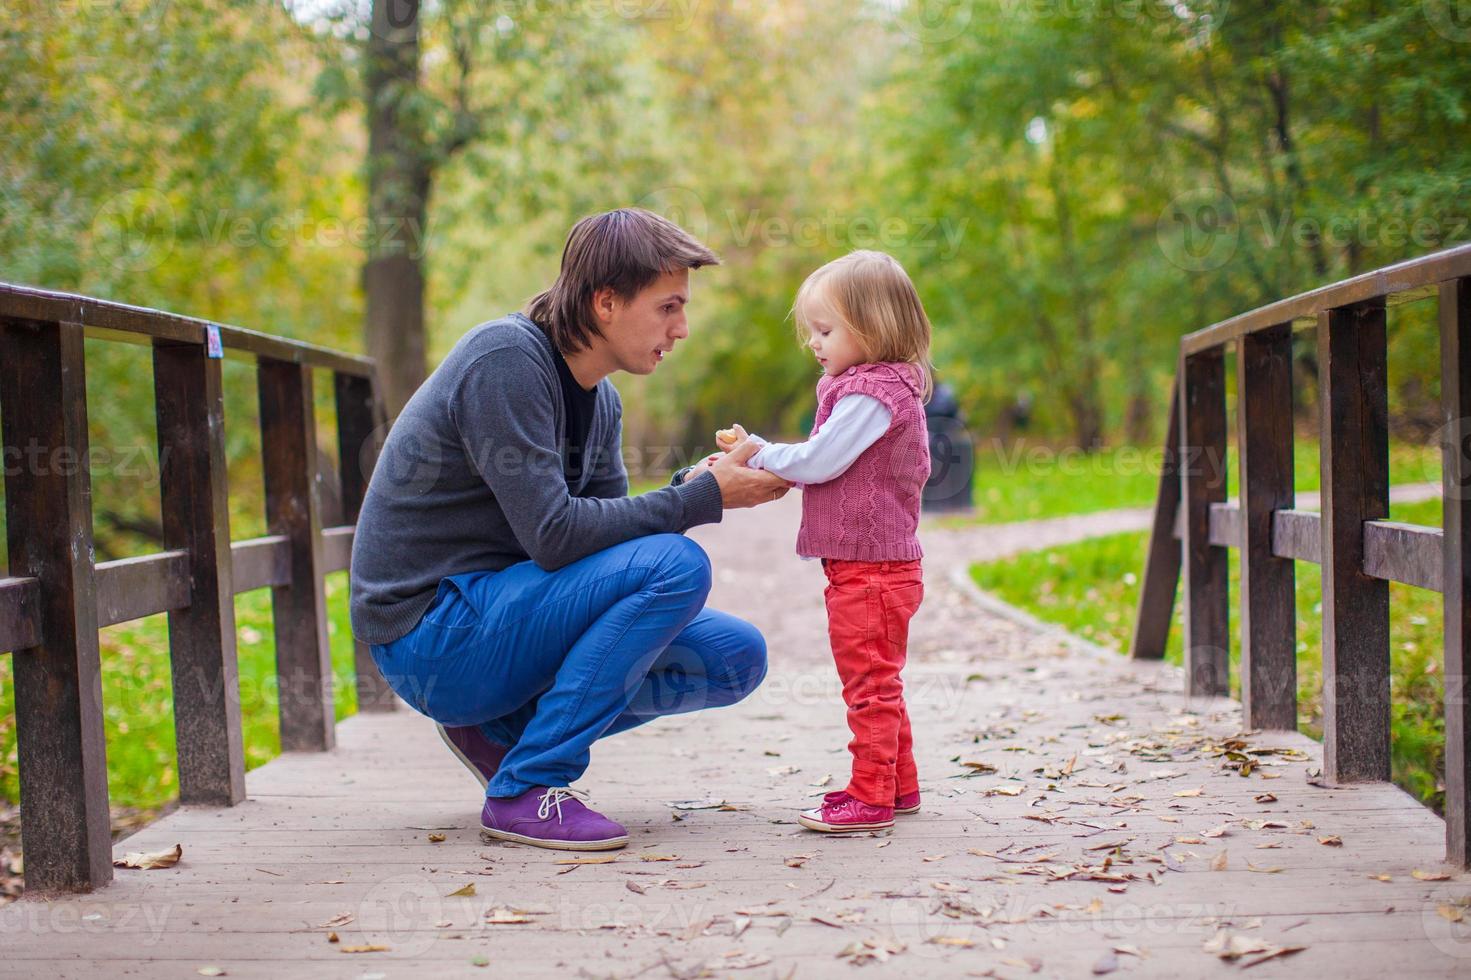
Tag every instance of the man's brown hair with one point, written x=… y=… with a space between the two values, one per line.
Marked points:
x=625 y=249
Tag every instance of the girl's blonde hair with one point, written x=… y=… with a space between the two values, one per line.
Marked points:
x=870 y=293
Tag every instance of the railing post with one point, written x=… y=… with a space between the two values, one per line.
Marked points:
x=190 y=406
x=303 y=660
x=1455 y=387
x=66 y=832
x=1162 y=566
x=1354 y=435
x=1268 y=583
x=1203 y=482
x=358 y=443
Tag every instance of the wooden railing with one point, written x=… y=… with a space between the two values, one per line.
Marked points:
x=57 y=597
x=1359 y=549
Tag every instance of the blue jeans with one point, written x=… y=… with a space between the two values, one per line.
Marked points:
x=546 y=663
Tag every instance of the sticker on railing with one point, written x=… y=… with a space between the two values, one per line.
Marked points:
x=213 y=346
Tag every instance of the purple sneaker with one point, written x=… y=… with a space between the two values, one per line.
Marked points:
x=479 y=754
x=553 y=817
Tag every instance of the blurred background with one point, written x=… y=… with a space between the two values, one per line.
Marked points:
x=1072 y=184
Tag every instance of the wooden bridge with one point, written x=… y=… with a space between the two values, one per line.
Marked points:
x=1084 y=812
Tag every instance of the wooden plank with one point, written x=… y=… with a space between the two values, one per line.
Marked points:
x=131 y=588
x=289 y=450
x=1162 y=564
x=259 y=562
x=190 y=410
x=1408 y=553
x=1268 y=583
x=1393 y=551
x=1415 y=276
x=1455 y=393
x=336 y=548
x=20 y=614
x=359 y=440
x=1297 y=534
x=144 y=324
x=1203 y=483
x=58 y=684
x=1225 y=529
x=1354 y=435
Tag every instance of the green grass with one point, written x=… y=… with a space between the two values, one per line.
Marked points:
x=1026 y=482
x=1091 y=588
x=137 y=698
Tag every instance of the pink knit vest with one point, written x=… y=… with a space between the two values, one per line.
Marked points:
x=871 y=512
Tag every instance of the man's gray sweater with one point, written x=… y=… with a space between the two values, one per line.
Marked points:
x=471 y=478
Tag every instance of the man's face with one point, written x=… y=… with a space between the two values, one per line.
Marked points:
x=641 y=330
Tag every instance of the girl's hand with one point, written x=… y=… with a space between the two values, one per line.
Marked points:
x=703 y=465
x=727 y=439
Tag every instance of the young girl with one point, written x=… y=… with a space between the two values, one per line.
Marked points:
x=861 y=473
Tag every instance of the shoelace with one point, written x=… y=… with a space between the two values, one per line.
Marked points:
x=553 y=798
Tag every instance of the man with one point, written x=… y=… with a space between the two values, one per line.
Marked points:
x=508 y=586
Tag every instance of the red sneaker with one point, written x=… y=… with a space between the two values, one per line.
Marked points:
x=846 y=815
x=906 y=804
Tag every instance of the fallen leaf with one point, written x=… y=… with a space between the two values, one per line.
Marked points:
x=600 y=859
x=1005 y=790
x=1190 y=792
x=1451 y=913
x=866 y=950
x=506 y=917
x=634 y=887
x=211 y=971
x=368 y=948
x=467 y=892
x=658 y=857
x=331 y=937
x=1419 y=875
x=340 y=919
x=1265 y=798
x=1331 y=841
x=146 y=860
x=1272 y=954
x=1263 y=871
x=821 y=781
x=436 y=838
x=960 y=941
x=1218 y=863
x=797 y=860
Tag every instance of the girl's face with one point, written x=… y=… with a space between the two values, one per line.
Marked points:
x=834 y=344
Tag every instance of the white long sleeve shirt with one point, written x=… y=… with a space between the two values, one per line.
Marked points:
x=857 y=422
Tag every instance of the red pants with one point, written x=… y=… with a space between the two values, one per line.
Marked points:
x=869 y=605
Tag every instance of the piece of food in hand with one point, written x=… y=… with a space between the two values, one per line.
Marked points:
x=727 y=438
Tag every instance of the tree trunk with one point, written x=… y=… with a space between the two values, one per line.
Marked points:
x=399 y=174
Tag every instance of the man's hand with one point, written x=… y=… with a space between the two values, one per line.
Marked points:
x=741 y=486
